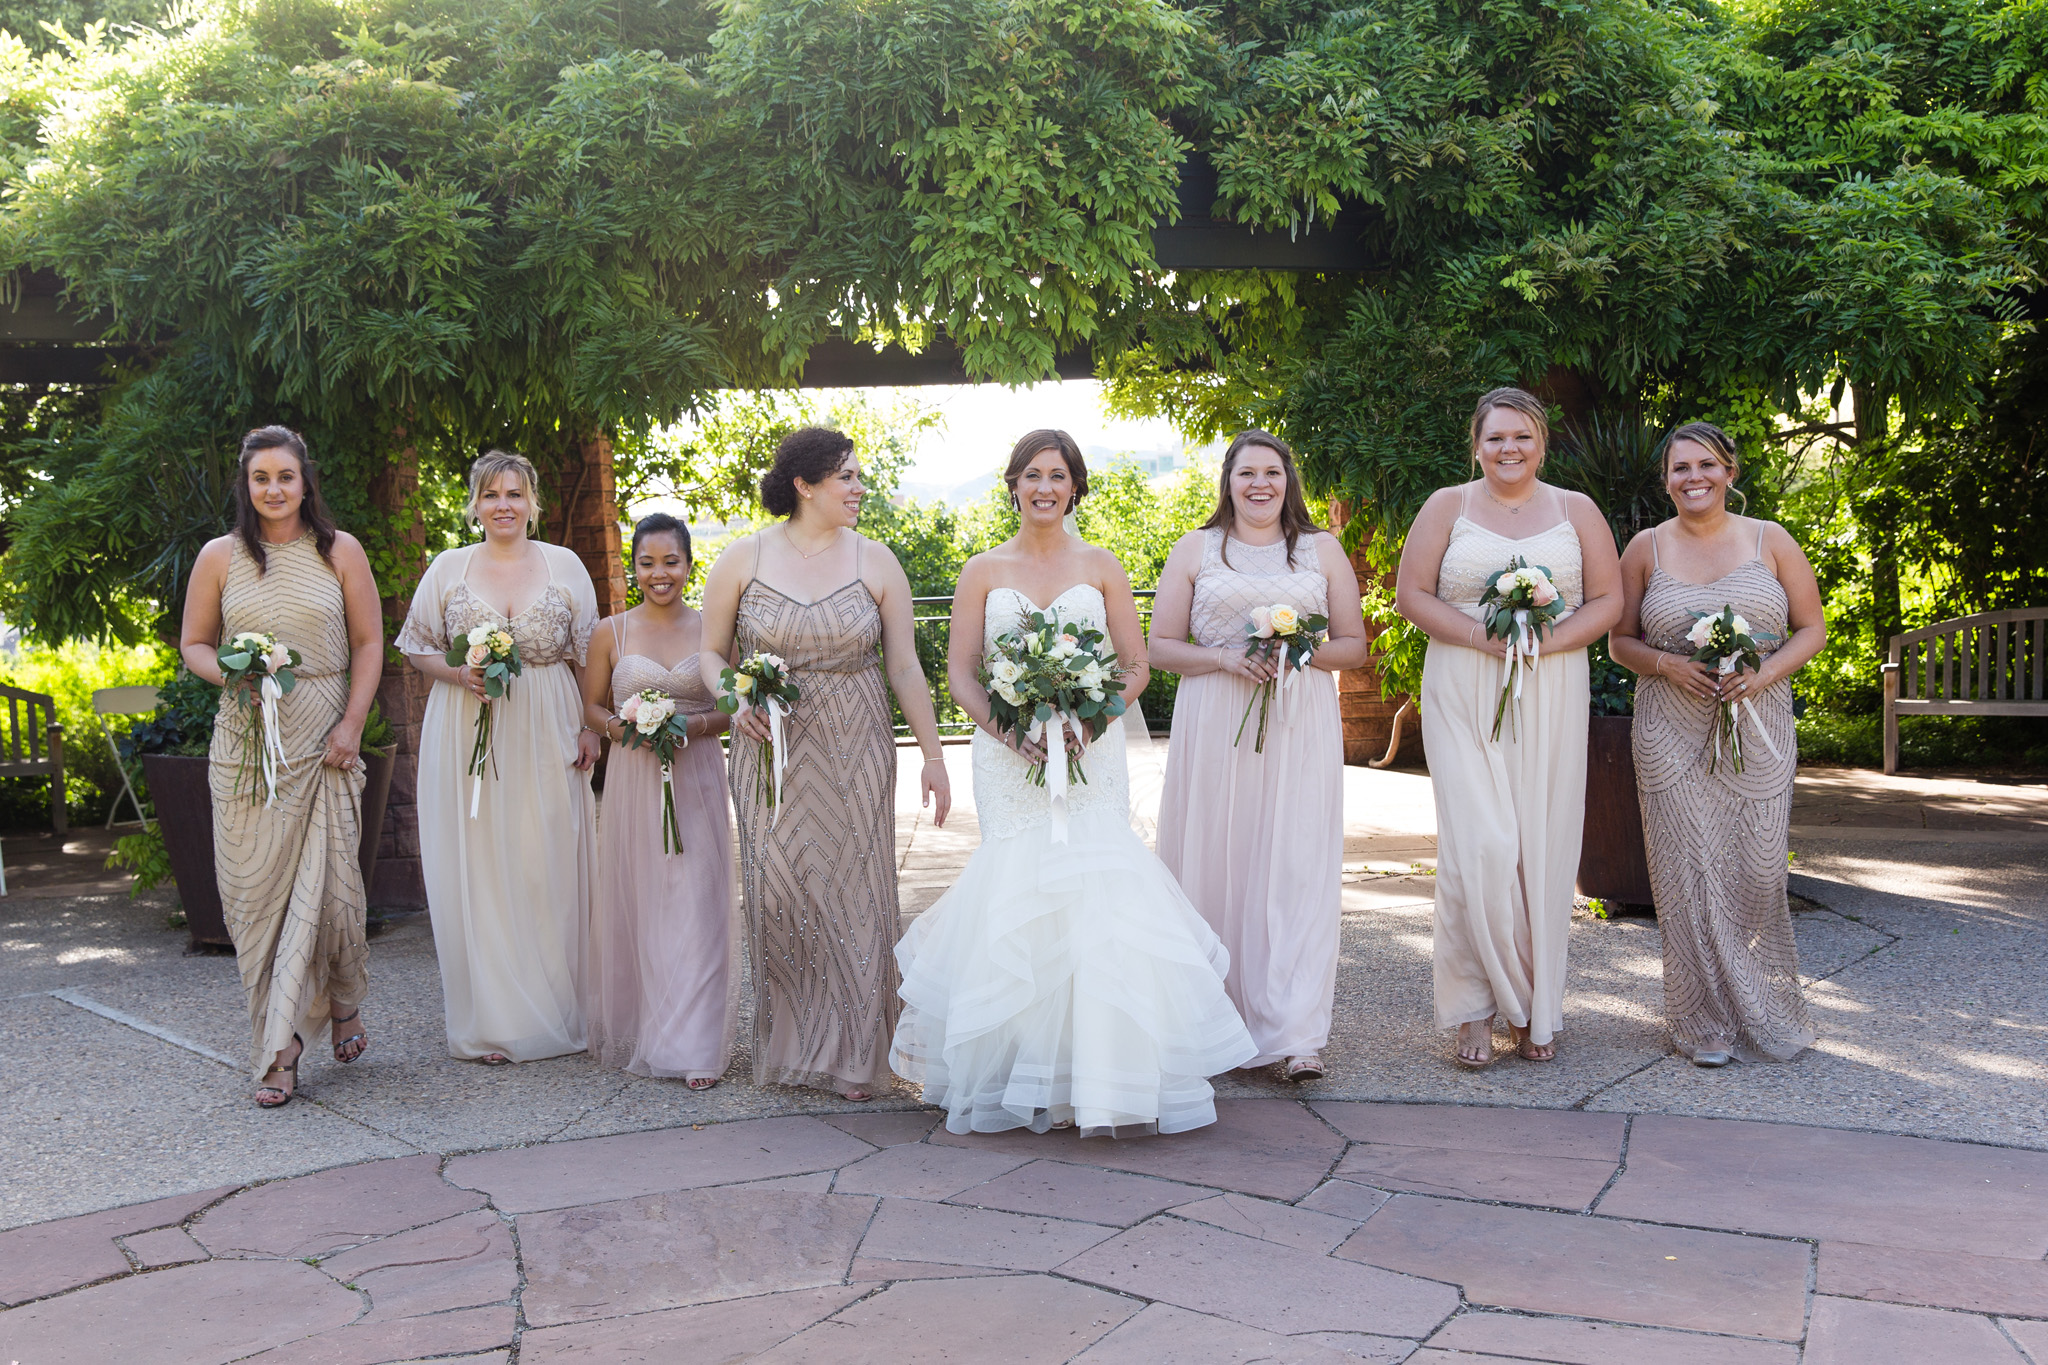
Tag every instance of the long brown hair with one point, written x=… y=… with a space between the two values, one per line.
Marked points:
x=312 y=507
x=1295 y=522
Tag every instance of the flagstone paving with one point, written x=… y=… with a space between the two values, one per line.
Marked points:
x=884 y=1238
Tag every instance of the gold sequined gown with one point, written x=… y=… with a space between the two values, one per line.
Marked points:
x=508 y=891
x=818 y=883
x=1716 y=840
x=290 y=881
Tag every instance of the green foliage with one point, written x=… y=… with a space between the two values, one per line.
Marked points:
x=144 y=854
x=70 y=675
x=1925 y=741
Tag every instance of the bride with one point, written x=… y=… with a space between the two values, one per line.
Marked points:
x=1059 y=983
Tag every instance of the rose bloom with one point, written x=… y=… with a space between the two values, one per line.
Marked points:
x=1702 y=631
x=1741 y=626
x=1543 y=594
x=501 y=642
x=480 y=636
x=279 y=658
x=1283 y=619
x=479 y=655
x=742 y=683
x=629 y=710
x=1262 y=623
x=649 y=722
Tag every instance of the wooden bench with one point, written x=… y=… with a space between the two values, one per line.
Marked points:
x=35 y=745
x=1991 y=664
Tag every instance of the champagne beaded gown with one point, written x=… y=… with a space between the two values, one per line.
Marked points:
x=1510 y=812
x=1257 y=839
x=1716 y=840
x=663 y=995
x=818 y=877
x=508 y=891
x=290 y=880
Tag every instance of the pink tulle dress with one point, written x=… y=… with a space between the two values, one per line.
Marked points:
x=663 y=967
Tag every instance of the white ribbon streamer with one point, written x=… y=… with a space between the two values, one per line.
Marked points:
x=668 y=799
x=776 y=709
x=271 y=753
x=1762 y=733
x=1054 y=735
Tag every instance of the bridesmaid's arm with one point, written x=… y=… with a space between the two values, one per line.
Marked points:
x=1347 y=646
x=365 y=616
x=1602 y=567
x=722 y=588
x=199 y=637
x=907 y=680
x=1125 y=635
x=1803 y=608
x=597 y=687
x=1173 y=606
x=1415 y=583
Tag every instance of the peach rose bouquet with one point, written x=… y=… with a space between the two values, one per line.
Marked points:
x=1520 y=605
x=1279 y=632
x=258 y=671
x=494 y=654
x=653 y=723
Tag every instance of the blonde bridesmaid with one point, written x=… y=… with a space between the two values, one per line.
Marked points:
x=508 y=888
x=287 y=863
x=1257 y=838
x=1715 y=837
x=663 y=973
x=1510 y=811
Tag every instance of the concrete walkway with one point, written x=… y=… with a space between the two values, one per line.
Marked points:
x=420 y=1207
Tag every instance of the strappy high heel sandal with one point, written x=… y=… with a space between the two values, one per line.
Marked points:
x=1530 y=1051
x=1308 y=1068
x=353 y=1046
x=284 y=1096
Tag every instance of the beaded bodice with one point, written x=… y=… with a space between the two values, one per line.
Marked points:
x=1235 y=577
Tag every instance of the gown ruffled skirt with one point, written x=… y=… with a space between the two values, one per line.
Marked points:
x=1065 y=983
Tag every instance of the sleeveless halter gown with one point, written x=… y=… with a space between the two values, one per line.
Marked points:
x=819 y=882
x=1510 y=812
x=1716 y=840
x=1257 y=839
x=663 y=970
x=1066 y=982
x=508 y=891
x=290 y=882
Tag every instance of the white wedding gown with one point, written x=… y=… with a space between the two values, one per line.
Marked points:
x=1064 y=983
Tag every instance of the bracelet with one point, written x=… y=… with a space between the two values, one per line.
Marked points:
x=1472 y=637
x=940 y=759
x=601 y=734
x=1660 y=663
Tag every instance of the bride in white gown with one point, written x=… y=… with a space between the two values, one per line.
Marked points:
x=1060 y=983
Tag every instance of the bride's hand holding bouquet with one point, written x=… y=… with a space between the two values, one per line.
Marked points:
x=1046 y=676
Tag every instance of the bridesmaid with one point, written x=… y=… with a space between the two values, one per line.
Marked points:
x=1257 y=839
x=664 y=939
x=1717 y=838
x=818 y=881
x=508 y=889
x=289 y=877
x=1509 y=812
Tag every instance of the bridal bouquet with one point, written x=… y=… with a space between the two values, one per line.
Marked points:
x=652 y=723
x=1520 y=605
x=1282 y=633
x=1724 y=639
x=1048 y=674
x=258 y=670
x=495 y=656
x=762 y=680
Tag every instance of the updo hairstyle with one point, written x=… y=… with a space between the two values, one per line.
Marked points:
x=808 y=453
x=485 y=472
x=660 y=524
x=1520 y=400
x=1718 y=441
x=1047 y=438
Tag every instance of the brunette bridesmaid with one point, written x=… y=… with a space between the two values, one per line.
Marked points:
x=663 y=970
x=818 y=876
x=1716 y=837
x=289 y=877
x=1510 y=811
x=1257 y=838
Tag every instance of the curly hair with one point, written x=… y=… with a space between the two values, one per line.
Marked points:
x=808 y=453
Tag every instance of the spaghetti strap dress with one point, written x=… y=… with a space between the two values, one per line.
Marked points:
x=818 y=875
x=1256 y=839
x=1510 y=812
x=508 y=890
x=290 y=881
x=1715 y=837
x=664 y=972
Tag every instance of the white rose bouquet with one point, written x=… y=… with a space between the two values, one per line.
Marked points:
x=652 y=723
x=1724 y=639
x=1283 y=634
x=1520 y=605
x=762 y=680
x=258 y=670
x=1044 y=676
x=495 y=656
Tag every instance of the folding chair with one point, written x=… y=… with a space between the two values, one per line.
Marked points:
x=122 y=701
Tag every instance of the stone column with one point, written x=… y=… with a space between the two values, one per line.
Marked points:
x=583 y=514
x=1368 y=719
x=402 y=695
